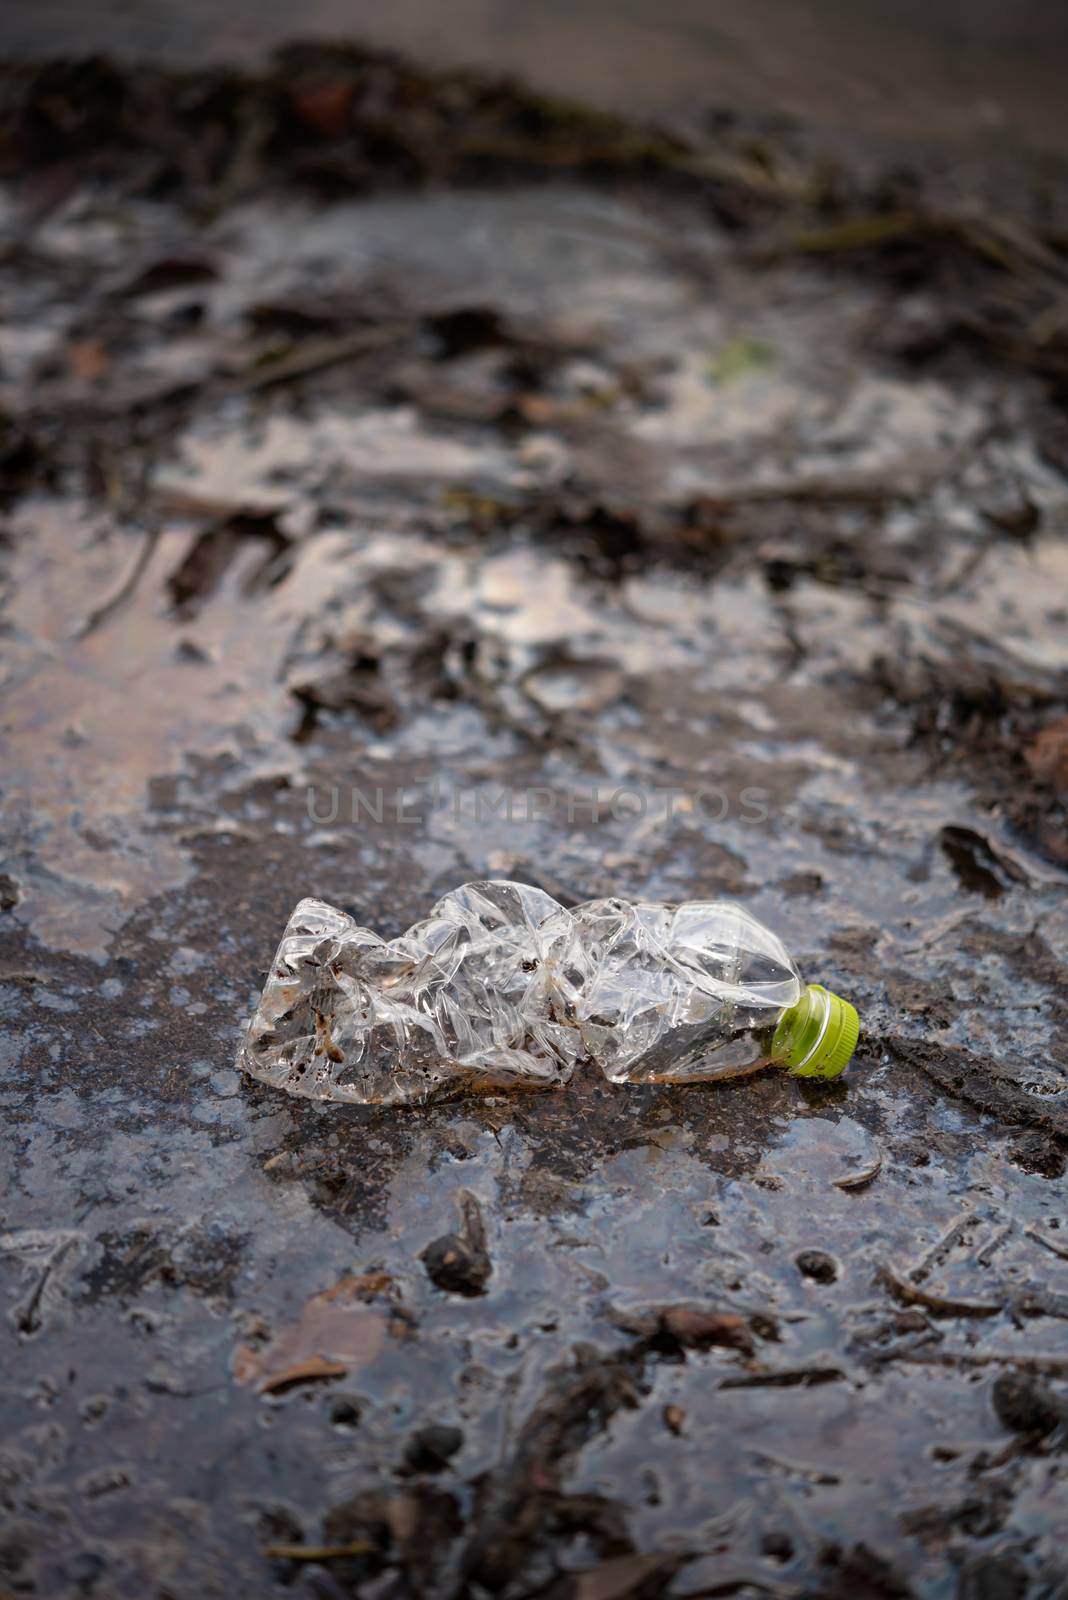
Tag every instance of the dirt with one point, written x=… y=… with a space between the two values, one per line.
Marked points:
x=404 y=483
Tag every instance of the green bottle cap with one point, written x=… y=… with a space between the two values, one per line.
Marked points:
x=816 y=1037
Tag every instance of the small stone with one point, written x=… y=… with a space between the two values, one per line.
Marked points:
x=454 y=1266
x=993 y=1577
x=1024 y=1404
x=459 y=1263
x=778 y=1547
x=817 y=1265
x=431 y=1448
x=345 y=1412
x=9 y=893
x=674 y=1418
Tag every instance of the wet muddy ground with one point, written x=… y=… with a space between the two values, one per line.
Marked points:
x=407 y=481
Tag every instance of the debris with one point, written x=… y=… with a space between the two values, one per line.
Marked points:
x=459 y=1262
x=430 y=1449
x=996 y=1577
x=172 y=272
x=1047 y=1243
x=858 y=1573
x=1024 y=1404
x=1047 y=756
x=783 y=1378
x=325 y=108
x=88 y=359
x=629 y=1577
x=306 y=1371
x=937 y=1305
x=817 y=1265
x=413 y=1528
x=318 y=1552
x=138 y=566
x=503 y=986
x=739 y=358
x=687 y=1327
x=334 y=1334
x=210 y=555
x=521 y=1501
x=983 y=1082
x=977 y=864
x=865 y=1175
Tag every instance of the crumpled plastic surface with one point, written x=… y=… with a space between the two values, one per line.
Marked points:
x=503 y=987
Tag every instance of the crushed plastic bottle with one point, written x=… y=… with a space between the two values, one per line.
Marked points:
x=502 y=987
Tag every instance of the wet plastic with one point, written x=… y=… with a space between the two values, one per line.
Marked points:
x=503 y=987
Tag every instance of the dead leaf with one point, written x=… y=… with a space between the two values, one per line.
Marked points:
x=695 y=1328
x=334 y=1334
x=364 y=1286
x=1047 y=756
x=302 y=1372
x=625 y=1576
x=87 y=359
x=325 y=108
x=688 y=1326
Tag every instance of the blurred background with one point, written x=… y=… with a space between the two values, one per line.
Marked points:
x=961 y=69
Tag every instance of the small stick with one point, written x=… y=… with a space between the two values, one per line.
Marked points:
x=1040 y=1238
x=319 y=1552
x=126 y=587
x=911 y=1296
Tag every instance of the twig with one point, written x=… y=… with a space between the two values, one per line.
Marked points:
x=1045 y=1366
x=1047 y=1244
x=785 y=1378
x=986 y=1253
x=320 y=1552
x=301 y=363
x=126 y=587
x=799 y=1469
x=28 y=1318
x=940 y=1250
x=909 y=1295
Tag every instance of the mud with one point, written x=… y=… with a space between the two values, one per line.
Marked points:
x=561 y=526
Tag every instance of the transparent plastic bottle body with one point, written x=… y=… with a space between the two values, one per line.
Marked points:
x=681 y=993
x=502 y=987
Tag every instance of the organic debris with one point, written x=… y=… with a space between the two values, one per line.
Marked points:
x=459 y=1262
x=332 y=1336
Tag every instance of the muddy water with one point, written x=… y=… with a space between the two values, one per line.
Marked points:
x=668 y=527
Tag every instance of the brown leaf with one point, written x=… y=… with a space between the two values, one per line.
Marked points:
x=334 y=1334
x=689 y=1327
x=1047 y=756
x=87 y=359
x=626 y=1576
x=325 y=108
x=365 y=1286
x=694 y=1328
x=301 y=1372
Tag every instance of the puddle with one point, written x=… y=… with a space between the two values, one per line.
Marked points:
x=620 y=585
